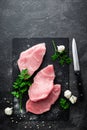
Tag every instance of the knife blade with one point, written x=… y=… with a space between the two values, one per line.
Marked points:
x=77 y=69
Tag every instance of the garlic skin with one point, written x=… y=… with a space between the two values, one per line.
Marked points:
x=61 y=48
x=8 y=111
x=67 y=94
x=73 y=99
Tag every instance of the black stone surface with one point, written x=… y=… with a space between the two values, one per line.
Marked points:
x=50 y=18
x=61 y=72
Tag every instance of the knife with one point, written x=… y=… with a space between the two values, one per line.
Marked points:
x=77 y=69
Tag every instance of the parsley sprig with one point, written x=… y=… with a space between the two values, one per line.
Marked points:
x=20 y=86
x=62 y=57
x=64 y=103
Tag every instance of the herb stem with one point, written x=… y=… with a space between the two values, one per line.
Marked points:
x=54 y=46
x=20 y=102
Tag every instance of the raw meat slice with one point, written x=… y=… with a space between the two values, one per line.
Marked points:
x=43 y=84
x=31 y=59
x=44 y=105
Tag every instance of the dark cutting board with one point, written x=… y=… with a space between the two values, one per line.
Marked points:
x=62 y=74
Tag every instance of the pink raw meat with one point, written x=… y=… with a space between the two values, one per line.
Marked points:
x=32 y=58
x=43 y=84
x=44 y=105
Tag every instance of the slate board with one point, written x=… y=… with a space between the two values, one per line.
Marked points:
x=62 y=74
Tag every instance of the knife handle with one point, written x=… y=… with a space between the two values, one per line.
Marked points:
x=79 y=84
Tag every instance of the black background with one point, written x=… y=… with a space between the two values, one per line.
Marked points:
x=50 y=18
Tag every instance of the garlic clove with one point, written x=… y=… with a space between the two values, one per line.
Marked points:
x=73 y=99
x=67 y=94
x=61 y=48
x=8 y=111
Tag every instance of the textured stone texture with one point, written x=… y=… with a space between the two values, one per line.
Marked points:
x=50 y=18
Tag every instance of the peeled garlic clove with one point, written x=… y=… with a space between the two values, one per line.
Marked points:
x=73 y=99
x=8 y=111
x=67 y=94
x=61 y=48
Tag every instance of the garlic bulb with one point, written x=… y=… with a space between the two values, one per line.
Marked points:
x=67 y=94
x=8 y=111
x=61 y=48
x=73 y=99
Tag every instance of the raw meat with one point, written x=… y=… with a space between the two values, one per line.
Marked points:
x=32 y=58
x=44 y=105
x=43 y=84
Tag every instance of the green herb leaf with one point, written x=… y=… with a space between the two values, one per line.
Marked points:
x=23 y=90
x=15 y=94
x=24 y=75
x=55 y=56
x=68 y=60
x=61 y=62
x=64 y=103
x=20 y=86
